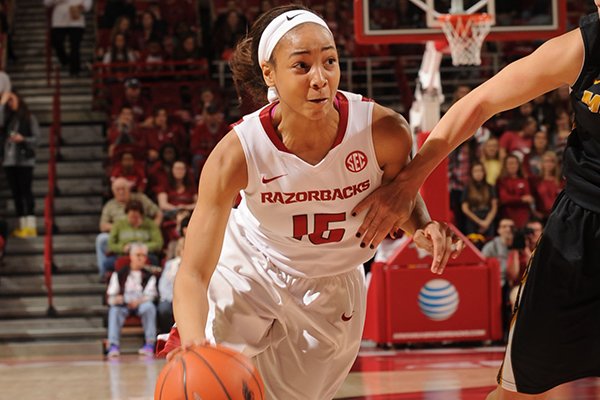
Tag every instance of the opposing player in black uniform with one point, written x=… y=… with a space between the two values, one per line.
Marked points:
x=555 y=332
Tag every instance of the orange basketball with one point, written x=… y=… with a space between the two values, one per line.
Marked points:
x=209 y=373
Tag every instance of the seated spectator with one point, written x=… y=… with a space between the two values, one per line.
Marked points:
x=205 y=136
x=134 y=172
x=134 y=228
x=228 y=30
x=518 y=142
x=547 y=186
x=133 y=98
x=562 y=131
x=490 y=158
x=179 y=192
x=119 y=52
x=124 y=135
x=479 y=203
x=162 y=131
x=159 y=22
x=121 y=27
x=175 y=12
x=188 y=50
x=209 y=97
x=514 y=194
x=532 y=233
x=165 y=289
x=132 y=291
x=146 y=31
x=533 y=160
x=158 y=172
x=520 y=116
x=168 y=46
x=179 y=230
x=152 y=54
x=501 y=248
x=114 y=210
x=114 y=9
x=459 y=168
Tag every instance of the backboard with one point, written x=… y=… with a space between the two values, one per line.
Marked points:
x=401 y=21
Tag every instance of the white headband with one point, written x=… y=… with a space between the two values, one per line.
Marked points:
x=282 y=25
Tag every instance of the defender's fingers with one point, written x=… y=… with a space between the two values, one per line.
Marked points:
x=378 y=227
x=447 y=253
x=438 y=240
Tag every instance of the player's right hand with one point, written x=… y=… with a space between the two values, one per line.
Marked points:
x=185 y=346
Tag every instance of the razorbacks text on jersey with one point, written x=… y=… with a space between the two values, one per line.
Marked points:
x=298 y=214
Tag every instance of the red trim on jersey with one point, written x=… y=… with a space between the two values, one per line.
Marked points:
x=343 y=124
x=267 y=122
x=367 y=99
x=341 y=103
x=239 y=121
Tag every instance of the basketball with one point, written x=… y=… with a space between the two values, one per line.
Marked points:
x=209 y=372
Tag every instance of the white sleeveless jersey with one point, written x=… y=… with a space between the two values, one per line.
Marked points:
x=298 y=214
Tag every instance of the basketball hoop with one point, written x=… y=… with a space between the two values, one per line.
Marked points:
x=465 y=34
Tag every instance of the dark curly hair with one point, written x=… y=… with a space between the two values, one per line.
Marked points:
x=247 y=73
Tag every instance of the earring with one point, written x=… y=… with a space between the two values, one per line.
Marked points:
x=272 y=94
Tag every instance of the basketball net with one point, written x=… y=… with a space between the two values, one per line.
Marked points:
x=465 y=34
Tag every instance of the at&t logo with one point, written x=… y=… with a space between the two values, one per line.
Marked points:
x=438 y=299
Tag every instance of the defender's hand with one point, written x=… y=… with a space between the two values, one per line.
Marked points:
x=438 y=239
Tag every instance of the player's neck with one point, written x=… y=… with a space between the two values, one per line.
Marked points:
x=310 y=140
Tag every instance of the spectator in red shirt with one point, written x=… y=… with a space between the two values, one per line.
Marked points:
x=158 y=173
x=205 y=136
x=519 y=142
x=547 y=186
x=128 y=169
x=140 y=105
x=146 y=31
x=123 y=135
x=514 y=193
x=533 y=161
x=179 y=192
x=160 y=132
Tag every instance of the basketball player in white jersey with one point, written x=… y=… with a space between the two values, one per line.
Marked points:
x=285 y=268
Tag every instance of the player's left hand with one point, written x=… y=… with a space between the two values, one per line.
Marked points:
x=438 y=239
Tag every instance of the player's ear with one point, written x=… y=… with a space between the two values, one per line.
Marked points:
x=268 y=74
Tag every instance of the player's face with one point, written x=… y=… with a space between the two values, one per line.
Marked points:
x=598 y=5
x=307 y=72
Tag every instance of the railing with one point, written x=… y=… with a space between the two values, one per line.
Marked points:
x=54 y=143
x=48 y=47
x=388 y=80
x=3 y=51
x=174 y=73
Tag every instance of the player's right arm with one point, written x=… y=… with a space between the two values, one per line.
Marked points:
x=223 y=176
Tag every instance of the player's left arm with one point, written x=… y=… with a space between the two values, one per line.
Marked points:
x=393 y=142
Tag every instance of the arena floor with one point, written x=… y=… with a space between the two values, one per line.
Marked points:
x=433 y=374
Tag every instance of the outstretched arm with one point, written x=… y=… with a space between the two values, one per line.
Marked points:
x=555 y=63
x=392 y=142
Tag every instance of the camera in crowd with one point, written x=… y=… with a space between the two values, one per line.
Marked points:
x=520 y=238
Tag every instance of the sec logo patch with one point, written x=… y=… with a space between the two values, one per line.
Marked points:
x=356 y=161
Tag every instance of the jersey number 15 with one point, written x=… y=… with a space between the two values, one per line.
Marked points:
x=322 y=233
